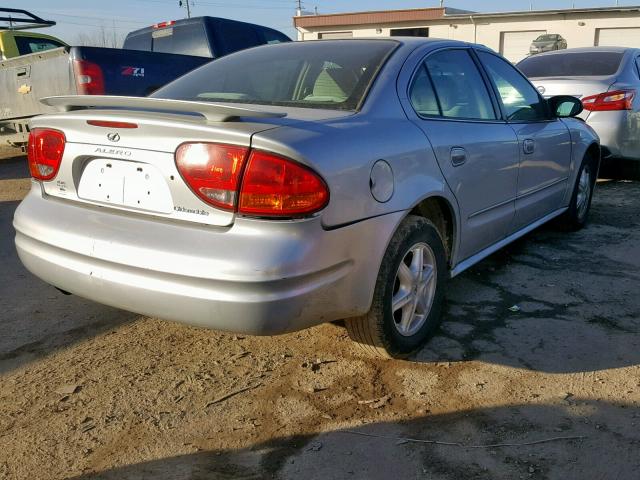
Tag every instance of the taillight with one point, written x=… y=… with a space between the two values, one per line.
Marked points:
x=268 y=185
x=44 y=152
x=275 y=186
x=164 y=24
x=89 y=78
x=212 y=171
x=616 y=100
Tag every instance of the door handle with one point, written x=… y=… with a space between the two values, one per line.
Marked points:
x=22 y=72
x=528 y=146
x=458 y=156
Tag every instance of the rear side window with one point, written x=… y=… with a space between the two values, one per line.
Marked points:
x=520 y=99
x=138 y=42
x=422 y=96
x=234 y=36
x=27 y=45
x=189 y=39
x=583 y=64
x=273 y=36
x=460 y=89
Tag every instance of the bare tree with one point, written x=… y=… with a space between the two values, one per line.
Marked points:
x=101 y=37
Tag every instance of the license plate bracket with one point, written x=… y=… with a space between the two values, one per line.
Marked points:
x=128 y=184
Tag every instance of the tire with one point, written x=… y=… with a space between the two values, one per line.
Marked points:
x=388 y=334
x=577 y=215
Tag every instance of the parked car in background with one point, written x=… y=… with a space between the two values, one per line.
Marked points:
x=547 y=43
x=607 y=81
x=289 y=185
x=151 y=58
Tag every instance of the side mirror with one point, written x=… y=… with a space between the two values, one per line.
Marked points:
x=564 y=106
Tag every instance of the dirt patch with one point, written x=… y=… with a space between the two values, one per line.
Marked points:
x=96 y=393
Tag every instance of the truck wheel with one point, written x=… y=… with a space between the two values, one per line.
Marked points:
x=409 y=293
x=578 y=213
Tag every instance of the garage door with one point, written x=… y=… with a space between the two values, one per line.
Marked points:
x=618 y=37
x=335 y=35
x=514 y=46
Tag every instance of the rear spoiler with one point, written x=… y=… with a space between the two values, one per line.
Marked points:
x=213 y=112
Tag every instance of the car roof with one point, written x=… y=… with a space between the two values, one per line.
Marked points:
x=589 y=50
x=410 y=42
x=198 y=20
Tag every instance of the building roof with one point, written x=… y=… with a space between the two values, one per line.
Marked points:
x=529 y=13
x=424 y=14
x=369 y=18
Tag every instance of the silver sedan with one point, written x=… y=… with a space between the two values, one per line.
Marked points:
x=607 y=80
x=289 y=185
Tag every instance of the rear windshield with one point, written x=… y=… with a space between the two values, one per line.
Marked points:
x=327 y=74
x=187 y=39
x=585 y=64
x=27 y=45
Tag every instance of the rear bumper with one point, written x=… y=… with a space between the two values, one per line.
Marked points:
x=256 y=277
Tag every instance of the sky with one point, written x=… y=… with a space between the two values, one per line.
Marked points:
x=77 y=17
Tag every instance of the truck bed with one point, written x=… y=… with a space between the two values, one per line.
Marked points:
x=29 y=78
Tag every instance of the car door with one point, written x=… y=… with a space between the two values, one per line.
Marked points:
x=544 y=142
x=476 y=151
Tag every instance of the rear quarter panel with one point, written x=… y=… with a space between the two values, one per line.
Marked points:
x=344 y=151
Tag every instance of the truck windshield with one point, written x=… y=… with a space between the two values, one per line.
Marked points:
x=583 y=64
x=320 y=74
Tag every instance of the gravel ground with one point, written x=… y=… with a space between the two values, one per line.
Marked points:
x=547 y=390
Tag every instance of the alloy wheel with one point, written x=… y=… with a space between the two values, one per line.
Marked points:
x=414 y=289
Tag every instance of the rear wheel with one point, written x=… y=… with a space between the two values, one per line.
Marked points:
x=409 y=292
x=578 y=212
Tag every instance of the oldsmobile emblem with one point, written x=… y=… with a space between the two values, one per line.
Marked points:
x=541 y=89
x=113 y=137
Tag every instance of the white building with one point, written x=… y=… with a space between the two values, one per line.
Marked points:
x=509 y=33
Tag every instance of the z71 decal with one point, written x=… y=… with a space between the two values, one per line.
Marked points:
x=133 y=71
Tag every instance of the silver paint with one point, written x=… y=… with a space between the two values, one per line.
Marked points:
x=214 y=268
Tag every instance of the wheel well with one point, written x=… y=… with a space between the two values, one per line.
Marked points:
x=595 y=153
x=439 y=211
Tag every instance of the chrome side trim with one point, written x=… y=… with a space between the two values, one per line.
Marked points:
x=524 y=195
x=469 y=262
x=497 y=205
x=544 y=187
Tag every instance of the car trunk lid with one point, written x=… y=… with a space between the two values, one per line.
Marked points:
x=579 y=87
x=124 y=160
x=134 y=169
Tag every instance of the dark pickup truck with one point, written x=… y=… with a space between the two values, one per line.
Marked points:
x=151 y=57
